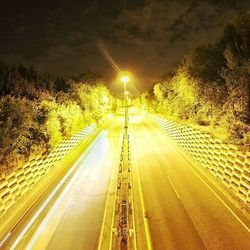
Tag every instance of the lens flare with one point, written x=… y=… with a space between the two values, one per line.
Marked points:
x=107 y=56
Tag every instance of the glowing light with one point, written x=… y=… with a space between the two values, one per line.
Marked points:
x=105 y=99
x=126 y=93
x=41 y=209
x=125 y=79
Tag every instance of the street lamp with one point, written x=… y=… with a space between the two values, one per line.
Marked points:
x=125 y=79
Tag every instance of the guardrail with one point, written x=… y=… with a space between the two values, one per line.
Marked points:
x=225 y=161
x=15 y=183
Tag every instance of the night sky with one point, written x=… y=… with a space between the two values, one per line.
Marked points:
x=147 y=37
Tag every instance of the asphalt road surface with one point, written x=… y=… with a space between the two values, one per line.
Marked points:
x=74 y=220
x=182 y=208
x=183 y=211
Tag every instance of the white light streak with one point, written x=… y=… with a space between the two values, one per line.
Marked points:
x=38 y=213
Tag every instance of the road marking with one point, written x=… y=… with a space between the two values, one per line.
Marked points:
x=208 y=186
x=38 y=213
x=223 y=202
x=177 y=194
x=146 y=225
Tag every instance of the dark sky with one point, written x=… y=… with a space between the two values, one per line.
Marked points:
x=146 y=37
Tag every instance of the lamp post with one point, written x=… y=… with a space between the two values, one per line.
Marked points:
x=125 y=79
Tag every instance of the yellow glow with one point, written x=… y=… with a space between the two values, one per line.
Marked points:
x=125 y=79
x=52 y=195
x=105 y=99
x=126 y=93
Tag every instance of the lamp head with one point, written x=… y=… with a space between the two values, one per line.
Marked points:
x=125 y=79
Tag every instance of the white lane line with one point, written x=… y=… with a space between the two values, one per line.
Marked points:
x=38 y=213
x=175 y=190
x=208 y=186
x=222 y=201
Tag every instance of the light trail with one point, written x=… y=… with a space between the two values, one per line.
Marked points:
x=38 y=213
x=113 y=182
x=99 y=150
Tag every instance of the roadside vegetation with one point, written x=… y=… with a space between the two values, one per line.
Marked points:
x=38 y=111
x=211 y=87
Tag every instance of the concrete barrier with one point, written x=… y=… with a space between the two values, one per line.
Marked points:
x=225 y=161
x=15 y=183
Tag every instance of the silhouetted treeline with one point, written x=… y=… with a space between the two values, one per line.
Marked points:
x=211 y=86
x=38 y=111
x=22 y=81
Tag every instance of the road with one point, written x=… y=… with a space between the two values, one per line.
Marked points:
x=182 y=210
x=74 y=219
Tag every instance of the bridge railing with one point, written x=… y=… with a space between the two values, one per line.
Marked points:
x=15 y=183
x=225 y=161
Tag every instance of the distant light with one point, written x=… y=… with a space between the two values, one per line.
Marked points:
x=105 y=99
x=124 y=77
x=126 y=93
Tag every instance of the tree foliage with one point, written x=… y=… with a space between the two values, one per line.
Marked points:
x=211 y=87
x=38 y=111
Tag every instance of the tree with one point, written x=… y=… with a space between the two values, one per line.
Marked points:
x=205 y=63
